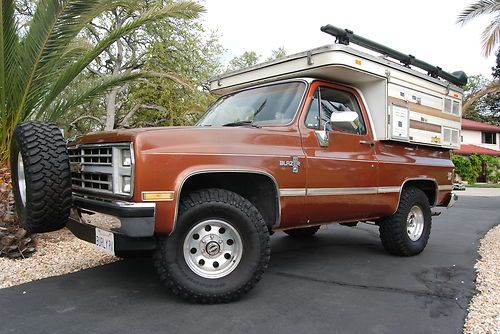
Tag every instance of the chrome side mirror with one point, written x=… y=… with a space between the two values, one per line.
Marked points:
x=348 y=120
x=323 y=136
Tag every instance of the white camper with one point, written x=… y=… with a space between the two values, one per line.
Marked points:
x=404 y=104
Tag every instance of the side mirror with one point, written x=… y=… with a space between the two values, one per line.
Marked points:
x=348 y=120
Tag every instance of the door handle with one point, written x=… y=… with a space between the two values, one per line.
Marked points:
x=367 y=142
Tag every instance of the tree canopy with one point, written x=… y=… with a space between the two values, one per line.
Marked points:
x=40 y=61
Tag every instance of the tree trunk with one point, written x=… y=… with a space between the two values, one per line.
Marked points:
x=111 y=108
x=111 y=96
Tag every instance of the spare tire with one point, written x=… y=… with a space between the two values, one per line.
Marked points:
x=41 y=177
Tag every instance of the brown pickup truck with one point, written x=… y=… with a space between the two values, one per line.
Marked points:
x=285 y=155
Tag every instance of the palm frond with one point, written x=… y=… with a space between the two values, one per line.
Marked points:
x=9 y=59
x=491 y=36
x=491 y=88
x=88 y=91
x=171 y=76
x=478 y=8
x=181 y=9
x=54 y=25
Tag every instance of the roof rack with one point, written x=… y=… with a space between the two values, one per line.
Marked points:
x=345 y=36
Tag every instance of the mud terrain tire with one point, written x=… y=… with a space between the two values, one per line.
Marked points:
x=199 y=213
x=395 y=230
x=38 y=155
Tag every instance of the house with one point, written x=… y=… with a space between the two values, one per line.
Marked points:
x=479 y=138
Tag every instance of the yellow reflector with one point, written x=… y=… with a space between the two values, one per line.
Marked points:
x=157 y=195
x=357 y=61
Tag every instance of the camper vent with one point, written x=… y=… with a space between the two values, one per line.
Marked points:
x=451 y=107
x=450 y=136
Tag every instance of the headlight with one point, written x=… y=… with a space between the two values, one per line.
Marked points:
x=126 y=184
x=126 y=158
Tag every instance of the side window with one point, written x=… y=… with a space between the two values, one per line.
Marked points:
x=327 y=101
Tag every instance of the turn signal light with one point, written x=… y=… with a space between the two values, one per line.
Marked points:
x=157 y=195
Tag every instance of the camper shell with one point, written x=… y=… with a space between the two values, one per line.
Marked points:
x=403 y=104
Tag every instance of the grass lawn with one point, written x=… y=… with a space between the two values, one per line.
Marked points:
x=483 y=185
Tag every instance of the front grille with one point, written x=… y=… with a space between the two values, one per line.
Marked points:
x=103 y=182
x=94 y=156
x=99 y=170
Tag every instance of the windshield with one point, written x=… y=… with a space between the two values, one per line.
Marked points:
x=267 y=105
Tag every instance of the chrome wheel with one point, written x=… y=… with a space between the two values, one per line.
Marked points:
x=21 y=178
x=415 y=223
x=212 y=249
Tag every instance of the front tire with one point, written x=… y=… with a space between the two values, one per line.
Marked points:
x=218 y=250
x=407 y=232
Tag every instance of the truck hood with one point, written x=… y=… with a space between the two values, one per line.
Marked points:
x=200 y=140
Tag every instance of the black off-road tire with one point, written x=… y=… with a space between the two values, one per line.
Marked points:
x=231 y=208
x=302 y=232
x=48 y=179
x=393 y=229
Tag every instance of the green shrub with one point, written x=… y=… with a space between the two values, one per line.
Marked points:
x=465 y=168
x=469 y=168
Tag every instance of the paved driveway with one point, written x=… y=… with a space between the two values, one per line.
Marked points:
x=340 y=281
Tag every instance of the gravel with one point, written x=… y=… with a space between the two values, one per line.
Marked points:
x=484 y=308
x=58 y=253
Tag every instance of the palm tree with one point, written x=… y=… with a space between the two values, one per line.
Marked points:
x=38 y=64
x=491 y=34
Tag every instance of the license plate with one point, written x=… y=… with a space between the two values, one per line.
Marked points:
x=105 y=240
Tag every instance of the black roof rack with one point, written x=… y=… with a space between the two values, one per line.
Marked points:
x=345 y=36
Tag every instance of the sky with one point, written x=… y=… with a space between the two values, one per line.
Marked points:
x=425 y=29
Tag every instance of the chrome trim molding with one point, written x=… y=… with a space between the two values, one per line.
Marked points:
x=341 y=191
x=445 y=187
x=292 y=192
x=386 y=190
x=135 y=204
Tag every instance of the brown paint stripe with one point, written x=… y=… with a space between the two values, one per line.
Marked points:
x=423 y=109
x=425 y=126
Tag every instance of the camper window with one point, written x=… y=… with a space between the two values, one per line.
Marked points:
x=333 y=101
x=456 y=108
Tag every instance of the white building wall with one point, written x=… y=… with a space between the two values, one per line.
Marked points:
x=475 y=137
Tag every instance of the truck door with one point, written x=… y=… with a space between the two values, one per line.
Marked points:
x=341 y=175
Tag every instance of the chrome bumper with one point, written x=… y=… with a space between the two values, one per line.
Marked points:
x=137 y=219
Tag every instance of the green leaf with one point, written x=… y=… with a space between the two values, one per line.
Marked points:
x=182 y=9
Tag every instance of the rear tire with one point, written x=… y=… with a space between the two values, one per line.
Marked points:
x=40 y=176
x=218 y=250
x=407 y=232
x=302 y=232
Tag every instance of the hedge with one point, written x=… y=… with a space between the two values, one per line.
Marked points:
x=469 y=168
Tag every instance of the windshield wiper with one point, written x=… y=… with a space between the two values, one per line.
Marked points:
x=241 y=123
